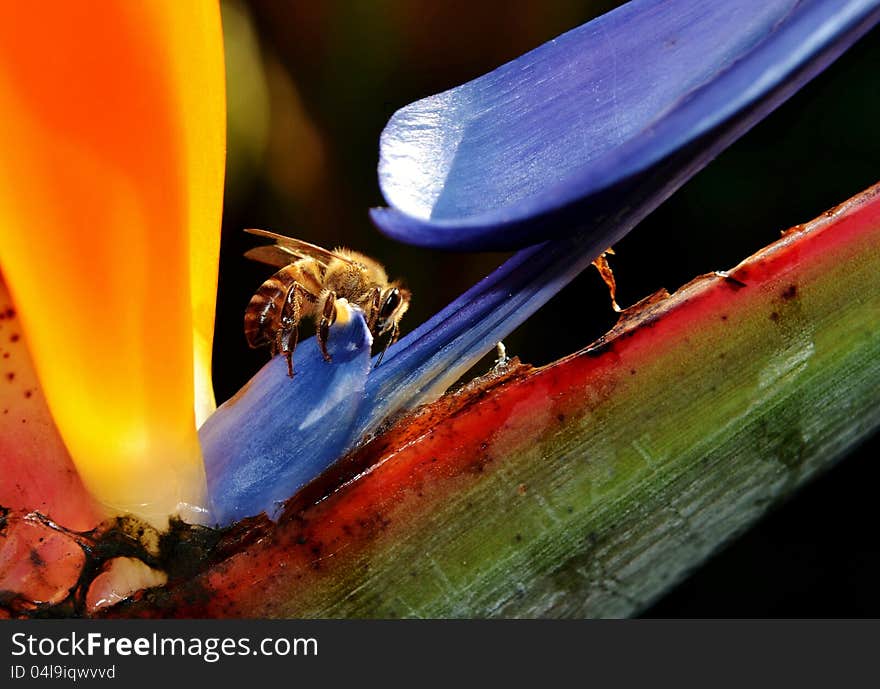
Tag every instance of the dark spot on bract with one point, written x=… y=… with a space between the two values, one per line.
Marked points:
x=790 y=292
x=9 y=313
x=10 y=376
x=560 y=417
x=774 y=316
x=14 y=337
x=733 y=282
x=28 y=394
x=723 y=316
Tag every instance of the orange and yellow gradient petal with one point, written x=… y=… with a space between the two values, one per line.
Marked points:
x=111 y=176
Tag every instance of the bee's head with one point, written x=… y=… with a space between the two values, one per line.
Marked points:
x=393 y=303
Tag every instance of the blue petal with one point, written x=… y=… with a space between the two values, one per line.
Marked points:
x=545 y=144
x=276 y=434
x=423 y=364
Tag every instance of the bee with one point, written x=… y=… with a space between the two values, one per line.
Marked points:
x=309 y=283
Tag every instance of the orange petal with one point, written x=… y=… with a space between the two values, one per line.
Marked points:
x=110 y=174
x=199 y=84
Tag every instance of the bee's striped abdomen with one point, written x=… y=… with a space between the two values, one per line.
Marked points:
x=262 y=318
x=263 y=311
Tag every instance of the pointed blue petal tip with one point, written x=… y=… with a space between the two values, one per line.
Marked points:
x=278 y=433
x=542 y=146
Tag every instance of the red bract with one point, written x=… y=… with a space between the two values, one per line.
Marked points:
x=37 y=472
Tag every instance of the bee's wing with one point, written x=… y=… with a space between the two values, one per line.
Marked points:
x=272 y=255
x=286 y=250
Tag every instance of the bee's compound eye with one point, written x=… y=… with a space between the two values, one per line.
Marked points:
x=392 y=301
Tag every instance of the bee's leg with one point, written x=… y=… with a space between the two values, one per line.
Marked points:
x=287 y=338
x=328 y=316
x=374 y=309
x=288 y=334
x=395 y=331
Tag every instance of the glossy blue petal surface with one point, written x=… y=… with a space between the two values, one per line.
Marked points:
x=278 y=433
x=541 y=146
